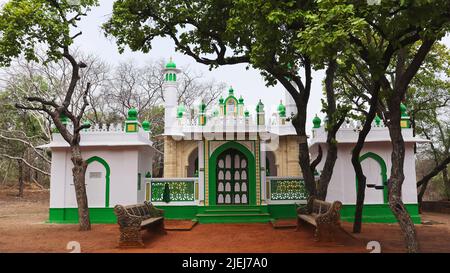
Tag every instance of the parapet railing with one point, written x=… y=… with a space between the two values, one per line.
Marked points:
x=167 y=190
x=290 y=189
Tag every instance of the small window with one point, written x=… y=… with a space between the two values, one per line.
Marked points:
x=95 y=175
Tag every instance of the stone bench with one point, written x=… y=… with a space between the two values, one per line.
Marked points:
x=325 y=216
x=132 y=219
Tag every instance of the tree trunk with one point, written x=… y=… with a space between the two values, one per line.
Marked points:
x=335 y=123
x=79 y=180
x=446 y=182
x=395 y=182
x=21 y=174
x=299 y=123
x=360 y=177
x=327 y=171
x=422 y=191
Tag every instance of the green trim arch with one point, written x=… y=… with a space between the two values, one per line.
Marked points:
x=107 y=176
x=383 y=172
x=212 y=166
x=236 y=104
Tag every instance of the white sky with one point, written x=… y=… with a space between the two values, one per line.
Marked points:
x=247 y=83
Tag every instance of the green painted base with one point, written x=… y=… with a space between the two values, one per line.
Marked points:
x=70 y=216
x=234 y=214
x=283 y=211
x=179 y=212
x=379 y=213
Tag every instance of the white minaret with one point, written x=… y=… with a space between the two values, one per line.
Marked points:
x=170 y=97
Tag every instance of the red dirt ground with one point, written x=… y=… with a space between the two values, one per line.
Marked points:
x=23 y=229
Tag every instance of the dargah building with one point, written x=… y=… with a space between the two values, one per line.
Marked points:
x=229 y=163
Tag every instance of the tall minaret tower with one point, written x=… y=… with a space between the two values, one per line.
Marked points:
x=170 y=97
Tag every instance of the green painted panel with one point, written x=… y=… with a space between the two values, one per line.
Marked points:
x=283 y=211
x=371 y=213
x=70 y=215
x=379 y=213
x=179 y=212
x=288 y=189
x=179 y=191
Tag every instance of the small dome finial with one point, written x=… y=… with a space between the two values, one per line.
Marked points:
x=317 y=122
x=171 y=64
x=231 y=91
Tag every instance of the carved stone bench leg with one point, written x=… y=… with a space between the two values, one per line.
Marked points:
x=299 y=223
x=157 y=227
x=161 y=227
x=130 y=237
x=318 y=234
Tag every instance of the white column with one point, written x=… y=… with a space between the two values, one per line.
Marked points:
x=201 y=172
x=170 y=98
x=263 y=173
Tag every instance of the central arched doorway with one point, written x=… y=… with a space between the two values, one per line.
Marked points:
x=232 y=187
x=239 y=172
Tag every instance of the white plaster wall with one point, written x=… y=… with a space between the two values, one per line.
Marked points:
x=343 y=183
x=57 y=179
x=201 y=173
x=123 y=163
x=145 y=166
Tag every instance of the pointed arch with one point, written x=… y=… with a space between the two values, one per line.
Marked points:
x=107 y=175
x=251 y=170
x=383 y=171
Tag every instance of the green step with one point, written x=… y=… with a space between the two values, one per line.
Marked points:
x=235 y=211
x=233 y=214
x=233 y=218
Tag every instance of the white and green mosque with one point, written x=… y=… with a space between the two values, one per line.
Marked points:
x=229 y=163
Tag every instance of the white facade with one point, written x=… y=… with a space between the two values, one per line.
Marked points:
x=117 y=161
x=375 y=160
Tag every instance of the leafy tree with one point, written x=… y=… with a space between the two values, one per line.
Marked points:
x=28 y=24
x=263 y=34
x=391 y=28
x=427 y=100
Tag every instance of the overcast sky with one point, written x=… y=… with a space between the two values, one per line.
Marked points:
x=247 y=83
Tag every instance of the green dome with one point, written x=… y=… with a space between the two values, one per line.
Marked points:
x=377 y=120
x=221 y=100
x=132 y=114
x=403 y=110
x=171 y=64
x=281 y=107
x=231 y=91
x=260 y=107
x=241 y=100
x=146 y=125
x=64 y=119
x=247 y=113
x=180 y=110
x=317 y=122
x=202 y=107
